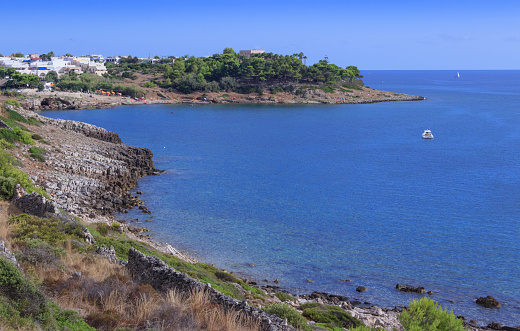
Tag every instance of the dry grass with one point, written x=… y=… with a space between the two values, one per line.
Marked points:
x=4 y=216
x=106 y=295
x=107 y=298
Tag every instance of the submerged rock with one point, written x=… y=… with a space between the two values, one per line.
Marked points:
x=409 y=288
x=488 y=302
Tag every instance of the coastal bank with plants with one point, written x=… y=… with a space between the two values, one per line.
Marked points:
x=69 y=266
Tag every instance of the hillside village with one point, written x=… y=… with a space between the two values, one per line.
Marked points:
x=34 y=64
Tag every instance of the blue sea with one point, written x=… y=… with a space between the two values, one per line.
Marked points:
x=330 y=192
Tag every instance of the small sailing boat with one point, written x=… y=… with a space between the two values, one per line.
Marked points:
x=458 y=75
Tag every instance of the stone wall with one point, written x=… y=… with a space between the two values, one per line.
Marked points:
x=151 y=270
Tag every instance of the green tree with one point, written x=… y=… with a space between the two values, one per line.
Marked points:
x=52 y=76
x=73 y=75
x=228 y=50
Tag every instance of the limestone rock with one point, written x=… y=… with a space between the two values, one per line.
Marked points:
x=109 y=253
x=488 y=302
x=361 y=289
x=34 y=203
x=151 y=270
x=8 y=255
x=4 y=126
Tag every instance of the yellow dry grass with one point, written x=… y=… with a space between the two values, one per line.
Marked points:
x=145 y=306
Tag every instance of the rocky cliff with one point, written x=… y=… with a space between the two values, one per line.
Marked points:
x=87 y=169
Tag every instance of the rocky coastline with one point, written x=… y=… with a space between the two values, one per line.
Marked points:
x=35 y=100
x=88 y=172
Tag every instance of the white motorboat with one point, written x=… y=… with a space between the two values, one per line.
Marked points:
x=427 y=134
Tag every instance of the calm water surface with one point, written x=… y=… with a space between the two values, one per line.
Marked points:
x=329 y=192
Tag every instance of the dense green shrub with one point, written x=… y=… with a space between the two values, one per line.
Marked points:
x=22 y=295
x=149 y=84
x=38 y=153
x=226 y=277
x=12 y=103
x=24 y=136
x=284 y=296
x=7 y=185
x=70 y=320
x=333 y=316
x=327 y=89
x=364 y=328
x=52 y=230
x=36 y=137
x=294 y=318
x=8 y=135
x=5 y=145
x=39 y=252
x=8 y=171
x=426 y=315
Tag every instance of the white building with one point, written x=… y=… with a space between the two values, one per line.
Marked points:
x=62 y=65
x=247 y=53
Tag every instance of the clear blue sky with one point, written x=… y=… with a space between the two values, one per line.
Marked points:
x=370 y=34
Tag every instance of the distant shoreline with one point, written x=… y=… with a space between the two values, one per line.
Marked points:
x=35 y=100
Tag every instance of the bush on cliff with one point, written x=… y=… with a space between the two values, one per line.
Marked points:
x=21 y=296
x=426 y=315
x=13 y=103
x=332 y=316
x=38 y=153
x=7 y=185
x=24 y=136
x=294 y=318
x=8 y=171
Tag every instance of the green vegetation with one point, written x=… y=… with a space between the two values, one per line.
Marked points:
x=294 y=318
x=13 y=103
x=284 y=296
x=53 y=230
x=9 y=175
x=24 y=307
x=327 y=89
x=19 y=80
x=331 y=316
x=219 y=280
x=426 y=315
x=232 y=72
x=38 y=153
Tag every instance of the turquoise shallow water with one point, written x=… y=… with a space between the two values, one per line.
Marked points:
x=329 y=192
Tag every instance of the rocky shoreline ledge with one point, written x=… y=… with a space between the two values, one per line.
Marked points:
x=88 y=172
x=35 y=100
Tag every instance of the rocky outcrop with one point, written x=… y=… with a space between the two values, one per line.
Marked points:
x=488 y=302
x=409 y=288
x=55 y=102
x=325 y=298
x=375 y=317
x=151 y=270
x=4 y=126
x=34 y=203
x=90 y=171
x=8 y=255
